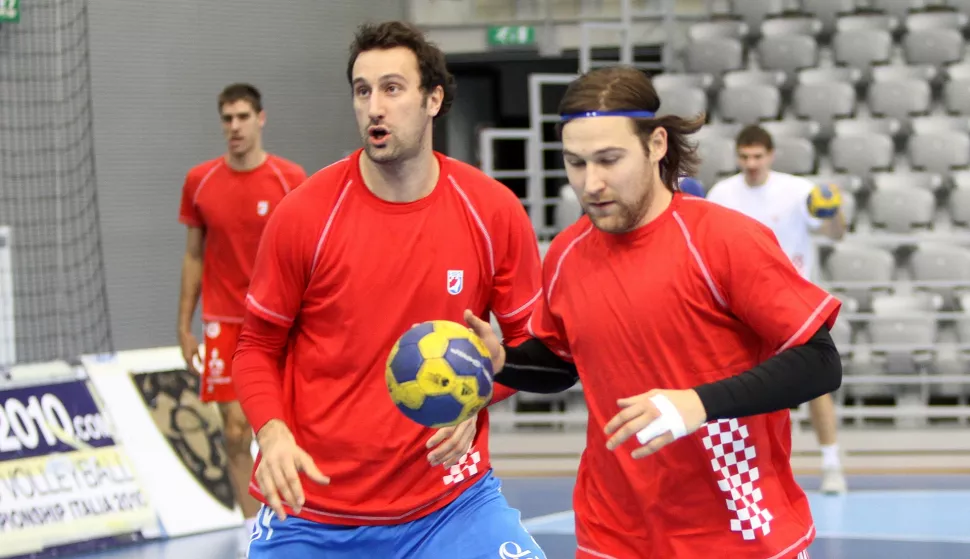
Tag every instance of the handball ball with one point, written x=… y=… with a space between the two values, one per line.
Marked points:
x=439 y=373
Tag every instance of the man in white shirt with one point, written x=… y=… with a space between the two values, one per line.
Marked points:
x=793 y=208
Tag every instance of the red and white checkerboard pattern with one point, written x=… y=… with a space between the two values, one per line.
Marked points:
x=733 y=460
x=466 y=467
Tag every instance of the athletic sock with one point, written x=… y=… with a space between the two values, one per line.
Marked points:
x=830 y=456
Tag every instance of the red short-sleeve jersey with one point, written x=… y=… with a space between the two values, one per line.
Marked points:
x=697 y=295
x=349 y=273
x=232 y=207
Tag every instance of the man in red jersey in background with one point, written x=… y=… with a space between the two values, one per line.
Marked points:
x=362 y=251
x=693 y=336
x=226 y=202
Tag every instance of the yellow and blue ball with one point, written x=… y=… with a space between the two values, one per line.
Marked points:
x=439 y=374
x=824 y=201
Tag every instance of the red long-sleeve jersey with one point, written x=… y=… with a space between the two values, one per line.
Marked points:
x=340 y=274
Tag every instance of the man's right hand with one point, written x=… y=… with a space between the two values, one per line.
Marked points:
x=190 y=351
x=484 y=331
x=279 y=467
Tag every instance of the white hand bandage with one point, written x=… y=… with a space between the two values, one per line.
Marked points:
x=669 y=420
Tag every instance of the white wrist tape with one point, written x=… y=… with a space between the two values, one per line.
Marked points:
x=669 y=420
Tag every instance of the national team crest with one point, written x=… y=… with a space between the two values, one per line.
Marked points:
x=456 y=280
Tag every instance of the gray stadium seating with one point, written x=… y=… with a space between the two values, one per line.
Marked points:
x=788 y=53
x=794 y=155
x=902 y=209
x=682 y=101
x=862 y=48
x=793 y=25
x=718 y=29
x=933 y=46
x=742 y=78
x=940 y=152
x=793 y=128
x=861 y=154
x=749 y=104
x=715 y=56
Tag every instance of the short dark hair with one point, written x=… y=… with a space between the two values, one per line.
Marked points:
x=431 y=61
x=624 y=88
x=241 y=92
x=754 y=135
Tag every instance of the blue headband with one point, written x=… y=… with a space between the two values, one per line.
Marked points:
x=632 y=114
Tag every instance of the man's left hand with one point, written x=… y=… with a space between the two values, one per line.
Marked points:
x=452 y=443
x=639 y=411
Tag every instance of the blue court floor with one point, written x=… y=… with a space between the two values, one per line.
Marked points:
x=883 y=517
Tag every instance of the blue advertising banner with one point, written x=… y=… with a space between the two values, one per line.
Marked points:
x=63 y=479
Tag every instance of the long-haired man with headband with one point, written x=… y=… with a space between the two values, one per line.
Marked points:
x=693 y=336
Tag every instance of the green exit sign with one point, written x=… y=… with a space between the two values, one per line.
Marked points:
x=505 y=35
x=9 y=11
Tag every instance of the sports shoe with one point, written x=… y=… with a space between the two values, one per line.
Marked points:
x=833 y=481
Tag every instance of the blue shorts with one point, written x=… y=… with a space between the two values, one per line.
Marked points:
x=479 y=524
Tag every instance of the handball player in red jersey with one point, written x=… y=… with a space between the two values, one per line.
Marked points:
x=365 y=249
x=226 y=202
x=693 y=336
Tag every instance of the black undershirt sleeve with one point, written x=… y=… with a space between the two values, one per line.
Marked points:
x=796 y=375
x=533 y=367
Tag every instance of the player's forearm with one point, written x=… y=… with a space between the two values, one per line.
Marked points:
x=795 y=376
x=189 y=292
x=533 y=367
x=835 y=227
x=255 y=370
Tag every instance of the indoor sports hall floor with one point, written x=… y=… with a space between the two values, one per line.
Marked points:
x=884 y=517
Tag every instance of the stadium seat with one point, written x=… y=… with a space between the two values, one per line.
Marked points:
x=753 y=12
x=959 y=200
x=792 y=25
x=857 y=126
x=828 y=74
x=862 y=48
x=749 y=104
x=683 y=81
x=939 y=152
x=787 y=53
x=794 y=155
x=718 y=29
x=828 y=11
x=959 y=71
x=933 y=46
x=863 y=269
x=742 y=78
x=900 y=99
x=935 y=20
x=728 y=130
x=855 y=22
x=901 y=210
x=899 y=9
x=940 y=123
x=715 y=56
x=824 y=103
x=897 y=72
x=956 y=96
x=687 y=102
x=861 y=154
x=903 y=331
x=941 y=262
x=908 y=179
x=718 y=158
x=792 y=128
